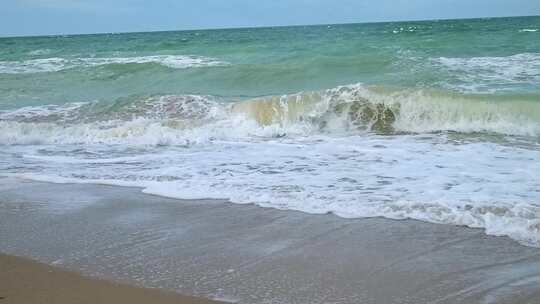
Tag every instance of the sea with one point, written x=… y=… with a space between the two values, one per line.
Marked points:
x=436 y=121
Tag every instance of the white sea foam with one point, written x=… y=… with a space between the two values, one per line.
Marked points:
x=37 y=113
x=528 y=30
x=492 y=73
x=479 y=185
x=410 y=29
x=58 y=64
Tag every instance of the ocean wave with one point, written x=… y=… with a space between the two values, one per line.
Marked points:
x=40 y=52
x=528 y=30
x=482 y=73
x=123 y=109
x=316 y=152
x=354 y=109
x=357 y=107
x=163 y=120
x=410 y=29
x=58 y=64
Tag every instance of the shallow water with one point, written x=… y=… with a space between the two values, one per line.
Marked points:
x=247 y=254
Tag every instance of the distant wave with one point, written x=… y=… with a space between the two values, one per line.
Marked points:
x=478 y=72
x=40 y=52
x=58 y=64
x=410 y=29
x=528 y=30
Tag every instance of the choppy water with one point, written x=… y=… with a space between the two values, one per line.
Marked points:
x=436 y=121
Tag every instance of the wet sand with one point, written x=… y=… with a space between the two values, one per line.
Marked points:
x=244 y=253
x=23 y=281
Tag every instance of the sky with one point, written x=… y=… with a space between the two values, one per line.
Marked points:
x=47 y=17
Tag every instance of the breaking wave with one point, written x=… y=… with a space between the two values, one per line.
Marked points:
x=317 y=152
x=181 y=119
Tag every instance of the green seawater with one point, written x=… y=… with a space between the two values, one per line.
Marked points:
x=498 y=56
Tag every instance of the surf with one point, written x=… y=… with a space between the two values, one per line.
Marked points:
x=344 y=110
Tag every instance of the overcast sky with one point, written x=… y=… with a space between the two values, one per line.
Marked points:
x=43 y=17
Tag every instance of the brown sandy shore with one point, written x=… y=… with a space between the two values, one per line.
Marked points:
x=23 y=281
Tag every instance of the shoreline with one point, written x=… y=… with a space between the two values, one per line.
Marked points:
x=252 y=255
x=25 y=281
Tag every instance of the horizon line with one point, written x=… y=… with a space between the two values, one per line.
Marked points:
x=261 y=27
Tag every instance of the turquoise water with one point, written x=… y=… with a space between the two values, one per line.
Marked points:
x=270 y=61
x=435 y=120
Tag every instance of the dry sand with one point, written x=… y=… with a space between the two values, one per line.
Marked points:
x=23 y=281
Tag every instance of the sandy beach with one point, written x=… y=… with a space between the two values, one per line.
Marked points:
x=247 y=254
x=25 y=282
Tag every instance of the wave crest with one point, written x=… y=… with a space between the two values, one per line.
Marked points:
x=58 y=64
x=381 y=110
x=342 y=110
